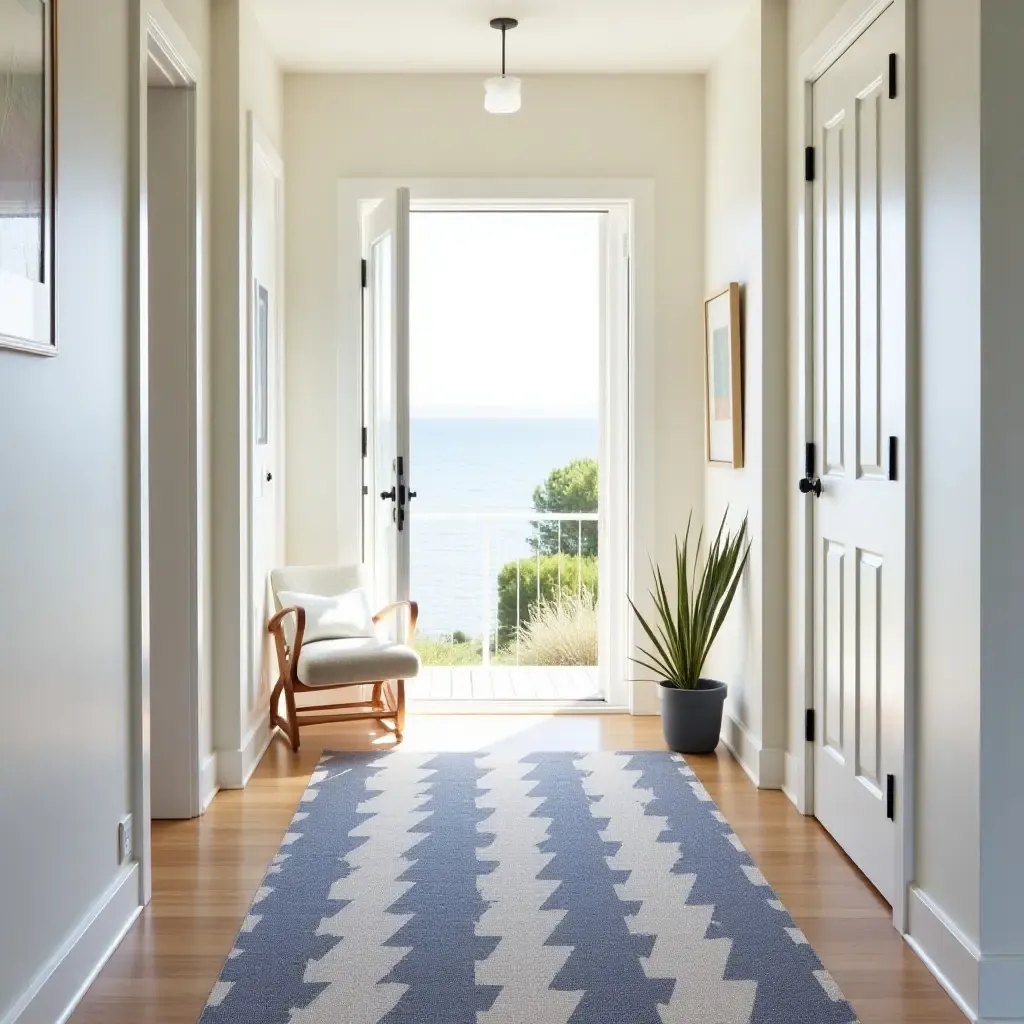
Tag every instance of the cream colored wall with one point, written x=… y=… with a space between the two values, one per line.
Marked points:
x=64 y=533
x=745 y=193
x=435 y=127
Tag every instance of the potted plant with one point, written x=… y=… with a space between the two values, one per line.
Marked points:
x=682 y=635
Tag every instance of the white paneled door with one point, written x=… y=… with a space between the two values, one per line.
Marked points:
x=386 y=322
x=859 y=558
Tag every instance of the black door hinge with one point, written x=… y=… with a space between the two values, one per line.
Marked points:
x=893 y=460
x=809 y=164
x=362 y=273
x=809 y=725
x=810 y=459
x=892 y=76
x=365 y=441
x=890 y=797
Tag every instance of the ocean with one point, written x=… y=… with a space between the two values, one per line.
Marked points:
x=464 y=466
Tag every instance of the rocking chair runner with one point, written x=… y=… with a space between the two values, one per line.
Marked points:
x=327 y=664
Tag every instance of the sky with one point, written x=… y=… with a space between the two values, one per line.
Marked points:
x=505 y=314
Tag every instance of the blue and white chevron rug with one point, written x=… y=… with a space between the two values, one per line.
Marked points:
x=478 y=888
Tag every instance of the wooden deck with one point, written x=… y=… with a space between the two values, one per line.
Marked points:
x=505 y=683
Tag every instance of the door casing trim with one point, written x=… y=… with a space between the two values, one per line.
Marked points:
x=629 y=199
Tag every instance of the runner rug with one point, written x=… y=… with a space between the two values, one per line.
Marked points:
x=556 y=888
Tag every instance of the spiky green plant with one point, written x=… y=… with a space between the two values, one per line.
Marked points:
x=687 y=626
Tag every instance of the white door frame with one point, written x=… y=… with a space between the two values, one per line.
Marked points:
x=630 y=199
x=261 y=149
x=155 y=33
x=848 y=26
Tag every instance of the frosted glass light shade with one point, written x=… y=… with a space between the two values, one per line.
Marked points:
x=503 y=95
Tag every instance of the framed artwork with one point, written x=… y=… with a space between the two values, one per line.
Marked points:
x=27 y=179
x=723 y=377
x=260 y=354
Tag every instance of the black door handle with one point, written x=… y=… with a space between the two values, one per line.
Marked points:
x=270 y=477
x=388 y=495
x=810 y=485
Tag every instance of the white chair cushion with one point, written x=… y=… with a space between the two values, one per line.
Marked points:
x=355 y=660
x=329 y=618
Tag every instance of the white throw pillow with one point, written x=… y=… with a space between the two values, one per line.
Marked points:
x=330 y=618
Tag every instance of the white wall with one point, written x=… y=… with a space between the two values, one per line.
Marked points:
x=435 y=127
x=1002 y=498
x=949 y=585
x=64 y=534
x=744 y=231
x=246 y=78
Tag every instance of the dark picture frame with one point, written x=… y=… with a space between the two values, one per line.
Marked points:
x=723 y=377
x=28 y=193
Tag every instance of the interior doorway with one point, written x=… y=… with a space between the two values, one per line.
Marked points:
x=496 y=354
x=266 y=404
x=860 y=551
x=172 y=234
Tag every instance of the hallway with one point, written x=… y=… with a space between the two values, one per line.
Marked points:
x=206 y=871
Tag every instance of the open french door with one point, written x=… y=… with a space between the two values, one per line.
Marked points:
x=386 y=328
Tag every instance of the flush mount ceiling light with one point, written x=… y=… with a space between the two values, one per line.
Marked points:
x=503 y=95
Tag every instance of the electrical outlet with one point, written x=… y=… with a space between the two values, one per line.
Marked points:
x=124 y=840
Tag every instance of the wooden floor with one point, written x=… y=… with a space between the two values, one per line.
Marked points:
x=505 y=683
x=206 y=871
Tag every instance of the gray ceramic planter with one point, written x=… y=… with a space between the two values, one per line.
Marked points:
x=691 y=720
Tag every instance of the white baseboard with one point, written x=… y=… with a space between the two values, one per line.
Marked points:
x=764 y=765
x=793 y=782
x=235 y=767
x=945 y=950
x=208 y=782
x=57 y=989
x=1001 y=989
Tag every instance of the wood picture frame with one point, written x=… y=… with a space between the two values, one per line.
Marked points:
x=28 y=193
x=723 y=377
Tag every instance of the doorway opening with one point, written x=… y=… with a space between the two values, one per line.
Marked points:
x=505 y=340
x=178 y=789
x=499 y=360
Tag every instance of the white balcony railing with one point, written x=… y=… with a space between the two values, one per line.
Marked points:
x=499 y=541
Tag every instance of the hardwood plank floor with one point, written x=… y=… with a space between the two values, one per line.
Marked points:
x=205 y=872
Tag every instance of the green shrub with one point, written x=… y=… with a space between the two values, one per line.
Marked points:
x=561 y=632
x=576 y=574
x=572 y=488
x=442 y=653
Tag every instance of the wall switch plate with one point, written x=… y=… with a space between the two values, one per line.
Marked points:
x=124 y=840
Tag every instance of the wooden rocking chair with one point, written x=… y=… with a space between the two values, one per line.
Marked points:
x=327 y=663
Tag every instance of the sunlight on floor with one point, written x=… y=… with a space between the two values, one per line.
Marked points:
x=503 y=732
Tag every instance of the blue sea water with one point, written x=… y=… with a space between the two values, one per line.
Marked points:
x=466 y=466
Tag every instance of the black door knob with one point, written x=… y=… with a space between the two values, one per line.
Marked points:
x=810 y=485
x=412 y=494
x=270 y=477
x=388 y=495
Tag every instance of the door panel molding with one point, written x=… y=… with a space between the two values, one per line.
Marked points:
x=867 y=445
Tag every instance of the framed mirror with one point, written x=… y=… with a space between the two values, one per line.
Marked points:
x=27 y=179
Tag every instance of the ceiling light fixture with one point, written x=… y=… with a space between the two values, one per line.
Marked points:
x=503 y=95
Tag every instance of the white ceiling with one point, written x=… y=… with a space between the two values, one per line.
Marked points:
x=455 y=36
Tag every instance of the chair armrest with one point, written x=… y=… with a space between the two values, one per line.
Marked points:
x=276 y=626
x=414 y=614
